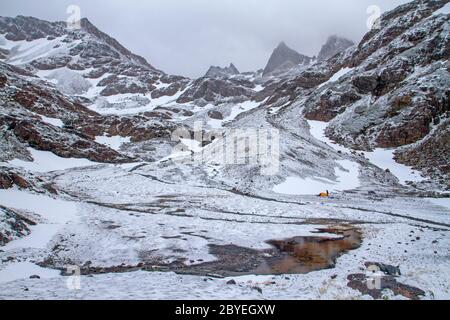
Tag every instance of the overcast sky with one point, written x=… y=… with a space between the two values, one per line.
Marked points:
x=187 y=36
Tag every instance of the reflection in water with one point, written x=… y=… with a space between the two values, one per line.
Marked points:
x=301 y=255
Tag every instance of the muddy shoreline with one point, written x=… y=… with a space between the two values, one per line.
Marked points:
x=297 y=255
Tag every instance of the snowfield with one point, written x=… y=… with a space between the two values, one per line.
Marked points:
x=107 y=230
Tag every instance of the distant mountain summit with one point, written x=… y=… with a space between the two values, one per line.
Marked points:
x=333 y=46
x=284 y=58
x=218 y=72
x=80 y=59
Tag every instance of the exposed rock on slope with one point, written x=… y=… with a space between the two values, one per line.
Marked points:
x=27 y=104
x=13 y=225
x=430 y=154
x=217 y=90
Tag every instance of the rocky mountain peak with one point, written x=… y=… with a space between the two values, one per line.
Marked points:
x=90 y=28
x=218 y=72
x=333 y=46
x=284 y=58
x=29 y=28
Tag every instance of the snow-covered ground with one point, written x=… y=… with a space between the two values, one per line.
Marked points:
x=110 y=216
x=53 y=215
x=123 y=224
x=138 y=215
x=347 y=179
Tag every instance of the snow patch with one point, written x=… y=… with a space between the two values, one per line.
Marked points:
x=347 y=180
x=442 y=202
x=69 y=81
x=114 y=142
x=235 y=112
x=444 y=10
x=53 y=121
x=382 y=158
x=258 y=88
x=337 y=76
x=23 y=52
x=192 y=145
x=45 y=161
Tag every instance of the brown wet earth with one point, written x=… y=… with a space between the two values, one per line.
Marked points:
x=298 y=255
x=302 y=255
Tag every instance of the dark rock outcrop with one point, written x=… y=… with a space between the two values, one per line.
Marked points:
x=217 y=90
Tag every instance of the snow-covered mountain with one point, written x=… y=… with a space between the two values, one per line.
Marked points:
x=86 y=62
x=114 y=166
